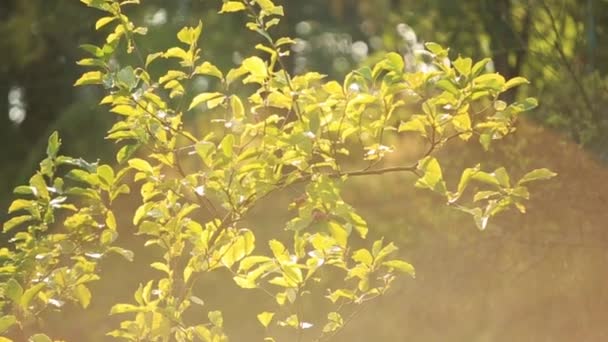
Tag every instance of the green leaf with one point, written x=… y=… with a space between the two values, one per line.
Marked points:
x=126 y=78
x=83 y=176
x=463 y=65
x=125 y=110
x=482 y=195
x=278 y=249
x=481 y=221
x=227 y=145
x=245 y=282
x=106 y=174
x=484 y=140
x=23 y=190
x=363 y=256
x=29 y=294
x=480 y=66
x=538 y=174
x=215 y=317
x=433 y=177
x=465 y=178
x=494 y=82
x=234 y=74
x=141 y=165
x=256 y=67
x=13 y=290
x=91 y=77
x=123 y=308
x=53 y=145
x=6 y=322
x=40 y=338
x=110 y=220
x=400 y=265
x=500 y=106
x=103 y=22
x=341 y=293
x=525 y=105
x=239 y=248
x=484 y=177
x=384 y=252
x=152 y=57
x=232 y=6
x=265 y=318
x=502 y=177
x=203 y=98
x=251 y=261
x=190 y=35
x=238 y=110
x=125 y=253
x=462 y=124
x=395 y=61
x=176 y=52
x=449 y=86
x=161 y=267
x=416 y=124
x=125 y=153
x=21 y=204
x=83 y=294
x=338 y=232
x=266 y=5
x=208 y=69
x=515 y=82
x=15 y=221
x=436 y=49
x=335 y=322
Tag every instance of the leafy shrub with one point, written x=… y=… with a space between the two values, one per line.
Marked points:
x=262 y=130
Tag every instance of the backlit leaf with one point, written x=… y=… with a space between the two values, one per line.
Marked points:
x=232 y=6
x=203 y=98
x=265 y=318
x=538 y=174
x=400 y=266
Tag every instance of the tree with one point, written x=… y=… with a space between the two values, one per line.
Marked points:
x=262 y=130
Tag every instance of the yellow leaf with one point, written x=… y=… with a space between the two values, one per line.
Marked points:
x=238 y=111
x=256 y=67
x=124 y=110
x=265 y=318
x=103 y=22
x=202 y=98
x=232 y=6
x=209 y=69
x=176 y=52
x=92 y=77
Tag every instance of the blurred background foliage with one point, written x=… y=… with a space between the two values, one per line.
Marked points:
x=537 y=277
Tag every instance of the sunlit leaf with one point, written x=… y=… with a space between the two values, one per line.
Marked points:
x=15 y=221
x=103 y=22
x=203 y=98
x=515 y=82
x=463 y=65
x=538 y=174
x=39 y=338
x=232 y=6
x=83 y=294
x=6 y=322
x=265 y=318
x=400 y=266
x=91 y=77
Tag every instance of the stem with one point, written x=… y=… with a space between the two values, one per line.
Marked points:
x=276 y=50
x=162 y=122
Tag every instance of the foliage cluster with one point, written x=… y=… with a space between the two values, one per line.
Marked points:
x=264 y=130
